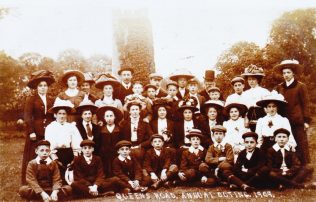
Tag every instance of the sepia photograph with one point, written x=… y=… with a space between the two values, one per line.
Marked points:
x=170 y=100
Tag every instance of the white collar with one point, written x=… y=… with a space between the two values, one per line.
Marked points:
x=276 y=147
x=42 y=96
x=88 y=159
x=48 y=160
x=222 y=144
x=158 y=152
x=193 y=95
x=289 y=82
x=126 y=85
x=85 y=123
x=121 y=158
x=192 y=149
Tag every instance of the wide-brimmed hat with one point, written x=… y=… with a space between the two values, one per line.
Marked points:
x=137 y=102
x=123 y=143
x=117 y=113
x=253 y=70
x=106 y=79
x=161 y=102
x=237 y=79
x=274 y=97
x=40 y=75
x=155 y=75
x=70 y=73
x=172 y=83
x=195 y=133
x=209 y=75
x=294 y=65
x=212 y=103
x=125 y=69
x=188 y=103
x=241 y=107
x=181 y=73
x=88 y=77
x=86 y=105
x=150 y=86
x=61 y=104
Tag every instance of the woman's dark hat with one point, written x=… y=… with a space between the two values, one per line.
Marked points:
x=117 y=113
x=150 y=86
x=70 y=73
x=40 y=75
x=212 y=103
x=241 y=107
x=106 y=79
x=86 y=105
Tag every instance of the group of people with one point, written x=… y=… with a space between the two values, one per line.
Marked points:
x=137 y=136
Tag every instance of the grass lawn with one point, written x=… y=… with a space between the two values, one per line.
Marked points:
x=11 y=157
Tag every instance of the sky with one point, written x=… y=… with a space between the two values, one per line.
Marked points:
x=187 y=34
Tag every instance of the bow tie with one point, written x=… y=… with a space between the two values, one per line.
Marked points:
x=42 y=162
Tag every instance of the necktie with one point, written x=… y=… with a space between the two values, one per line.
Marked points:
x=42 y=162
x=89 y=131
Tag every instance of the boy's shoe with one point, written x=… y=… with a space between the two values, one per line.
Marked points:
x=167 y=184
x=281 y=187
x=247 y=188
x=107 y=193
x=233 y=187
x=126 y=191
x=143 y=189
x=156 y=185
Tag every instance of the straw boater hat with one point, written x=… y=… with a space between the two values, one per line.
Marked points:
x=209 y=75
x=155 y=75
x=172 y=83
x=189 y=103
x=241 y=107
x=237 y=79
x=117 y=113
x=253 y=70
x=88 y=77
x=150 y=86
x=294 y=65
x=40 y=75
x=106 y=79
x=274 y=97
x=212 y=103
x=61 y=104
x=181 y=73
x=70 y=73
x=86 y=105
x=125 y=69
x=195 y=133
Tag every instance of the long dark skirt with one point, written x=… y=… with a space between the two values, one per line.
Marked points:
x=65 y=156
x=254 y=113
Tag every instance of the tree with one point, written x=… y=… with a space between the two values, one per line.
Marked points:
x=233 y=62
x=72 y=59
x=99 y=63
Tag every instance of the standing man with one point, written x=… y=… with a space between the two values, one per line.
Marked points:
x=181 y=76
x=126 y=75
x=295 y=93
x=86 y=86
x=209 y=82
x=155 y=79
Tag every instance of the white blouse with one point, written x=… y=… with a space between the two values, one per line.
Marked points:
x=235 y=130
x=236 y=98
x=188 y=125
x=253 y=95
x=162 y=126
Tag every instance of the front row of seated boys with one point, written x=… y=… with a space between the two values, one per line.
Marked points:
x=280 y=168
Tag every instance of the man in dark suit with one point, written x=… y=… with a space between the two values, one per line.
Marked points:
x=87 y=129
x=209 y=81
x=125 y=88
x=155 y=79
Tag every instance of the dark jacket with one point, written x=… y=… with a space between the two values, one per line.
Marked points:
x=95 y=132
x=126 y=171
x=256 y=162
x=178 y=131
x=154 y=126
x=162 y=93
x=156 y=164
x=185 y=94
x=121 y=92
x=191 y=160
x=205 y=94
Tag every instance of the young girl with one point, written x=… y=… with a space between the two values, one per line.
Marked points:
x=235 y=126
x=110 y=135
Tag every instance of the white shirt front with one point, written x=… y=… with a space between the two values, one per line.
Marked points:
x=162 y=126
x=288 y=83
x=276 y=147
x=195 y=150
x=48 y=160
x=235 y=130
x=182 y=91
x=235 y=98
x=188 y=125
x=253 y=95
x=134 y=127
x=43 y=98
x=126 y=86
x=121 y=158
x=268 y=124
x=158 y=152
x=249 y=154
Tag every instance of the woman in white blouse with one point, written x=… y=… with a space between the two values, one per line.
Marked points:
x=63 y=136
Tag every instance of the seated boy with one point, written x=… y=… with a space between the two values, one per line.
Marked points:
x=89 y=180
x=157 y=164
x=220 y=157
x=43 y=177
x=250 y=162
x=127 y=168
x=192 y=159
x=284 y=165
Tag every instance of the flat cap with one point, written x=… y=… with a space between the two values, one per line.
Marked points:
x=87 y=142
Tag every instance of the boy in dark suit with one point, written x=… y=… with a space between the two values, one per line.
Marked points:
x=89 y=179
x=127 y=168
x=220 y=157
x=43 y=177
x=157 y=164
x=285 y=168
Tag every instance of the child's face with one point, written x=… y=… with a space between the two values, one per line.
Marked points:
x=288 y=74
x=134 y=111
x=137 y=88
x=193 y=88
x=250 y=143
x=109 y=117
x=238 y=87
x=182 y=82
x=61 y=116
x=187 y=115
x=72 y=82
x=124 y=151
x=162 y=112
x=126 y=76
x=85 y=87
x=151 y=93
x=212 y=113
x=218 y=136
x=155 y=81
x=252 y=81
x=234 y=113
x=214 y=95
x=195 y=142
x=86 y=115
x=281 y=139
x=107 y=90
x=172 y=90
x=87 y=150
x=42 y=151
x=157 y=143
x=272 y=109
